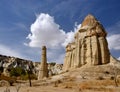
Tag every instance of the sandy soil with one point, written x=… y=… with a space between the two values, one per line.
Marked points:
x=85 y=79
x=38 y=89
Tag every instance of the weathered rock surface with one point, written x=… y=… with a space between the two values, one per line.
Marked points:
x=8 y=62
x=89 y=47
x=43 y=72
x=54 y=69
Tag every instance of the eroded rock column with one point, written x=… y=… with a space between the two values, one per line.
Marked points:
x=43 y=72
x=105 y=55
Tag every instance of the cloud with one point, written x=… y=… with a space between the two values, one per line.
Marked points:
x=118 y=58
x=5 y=50
x=114 y=41
x=114 y=36
x=70 y=35
x=44 y=31
x=69 y=38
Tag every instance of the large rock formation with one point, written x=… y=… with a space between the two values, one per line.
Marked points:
x=89 y=47
x=43 y=67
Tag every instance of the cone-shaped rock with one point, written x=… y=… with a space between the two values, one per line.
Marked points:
x=89 y=47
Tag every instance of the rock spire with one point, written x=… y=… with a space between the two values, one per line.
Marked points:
x=43 y=72
x=89 y=47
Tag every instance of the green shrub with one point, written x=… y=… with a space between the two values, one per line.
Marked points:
x=32 y=76
x=18 y=71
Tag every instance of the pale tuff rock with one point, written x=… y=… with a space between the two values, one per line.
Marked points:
x=89 y=47
x=7 y=63
x=47 y=69
x=43 y=72
x=54 y=69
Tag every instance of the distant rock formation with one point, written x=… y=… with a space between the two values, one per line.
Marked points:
x=54 y=69
x=8 y=62
x=89 y=47
x=43 y=72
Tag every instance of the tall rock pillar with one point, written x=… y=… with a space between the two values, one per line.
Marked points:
x=43 y=72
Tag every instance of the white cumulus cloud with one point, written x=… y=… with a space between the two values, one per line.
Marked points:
x=70 y=35
x=69 y=38
x=44 y=31
x=114 y=41
x=119 y=58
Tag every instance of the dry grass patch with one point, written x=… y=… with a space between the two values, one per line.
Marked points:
x=93 y=83
x=98 y=85
x=68 y=85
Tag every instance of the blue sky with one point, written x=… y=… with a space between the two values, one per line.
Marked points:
x=17 y=17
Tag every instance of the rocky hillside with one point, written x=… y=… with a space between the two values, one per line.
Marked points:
x=8 y=62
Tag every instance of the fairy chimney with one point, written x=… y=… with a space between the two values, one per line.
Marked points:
x=89 y=47
x=43 y=72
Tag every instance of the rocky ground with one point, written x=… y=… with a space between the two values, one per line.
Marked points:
x=85 y=79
